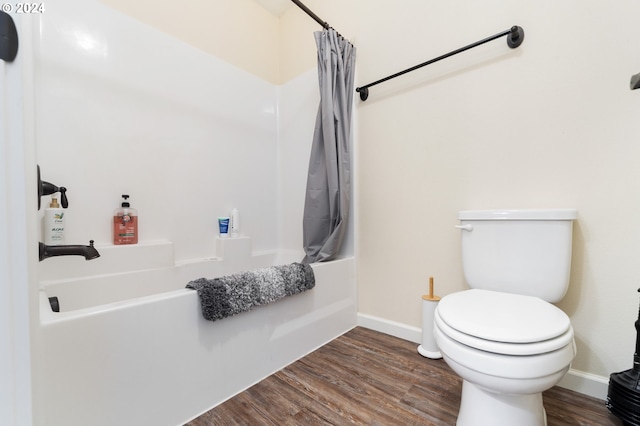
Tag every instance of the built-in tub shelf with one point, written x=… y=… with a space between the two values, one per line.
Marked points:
x=113 y=259
x=118 y=259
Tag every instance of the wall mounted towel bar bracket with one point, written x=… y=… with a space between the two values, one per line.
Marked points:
x=515 y=38
x=635 y=81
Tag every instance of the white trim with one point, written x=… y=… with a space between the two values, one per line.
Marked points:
x=397 y=329
x=578 y=381
x=17 y=243
x=586 y=383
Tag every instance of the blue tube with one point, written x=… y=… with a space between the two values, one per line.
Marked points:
x=223 y=225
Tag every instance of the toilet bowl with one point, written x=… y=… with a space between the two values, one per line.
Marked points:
x=508 y=349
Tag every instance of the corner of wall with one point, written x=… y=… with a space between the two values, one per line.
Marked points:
x=240 y=32
x=297 y=45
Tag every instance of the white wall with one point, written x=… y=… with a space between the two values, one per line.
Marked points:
x=240 y=32
x=297 y=107
x=550 y=124
x=125 y=108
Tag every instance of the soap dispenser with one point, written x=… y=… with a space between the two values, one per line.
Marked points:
x=125 y=224
x=54 y=224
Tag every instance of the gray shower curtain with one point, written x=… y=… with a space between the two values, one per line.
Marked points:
x=326 y=207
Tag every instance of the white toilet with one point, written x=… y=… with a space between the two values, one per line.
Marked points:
x=504 y=337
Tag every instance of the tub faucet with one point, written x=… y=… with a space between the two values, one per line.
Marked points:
x=89 y=252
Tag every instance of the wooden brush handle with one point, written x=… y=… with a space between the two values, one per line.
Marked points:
x=430 y=296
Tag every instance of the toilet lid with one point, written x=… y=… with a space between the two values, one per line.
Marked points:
x=502 y=317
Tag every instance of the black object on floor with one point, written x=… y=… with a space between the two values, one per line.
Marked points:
x=623 y=398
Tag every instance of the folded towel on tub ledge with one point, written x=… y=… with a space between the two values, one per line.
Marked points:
x=229 y=295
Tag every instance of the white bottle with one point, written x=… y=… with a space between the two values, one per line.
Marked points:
x=235 y=223
x=54 y=224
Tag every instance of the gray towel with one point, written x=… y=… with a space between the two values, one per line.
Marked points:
x=229 y=295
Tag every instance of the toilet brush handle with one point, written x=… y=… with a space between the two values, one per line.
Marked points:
x=430 y=297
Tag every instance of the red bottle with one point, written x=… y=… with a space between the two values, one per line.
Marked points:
x=125 y=224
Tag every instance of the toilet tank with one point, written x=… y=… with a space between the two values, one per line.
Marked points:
x=518 y=251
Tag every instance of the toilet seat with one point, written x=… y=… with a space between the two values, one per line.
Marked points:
x=503 y=323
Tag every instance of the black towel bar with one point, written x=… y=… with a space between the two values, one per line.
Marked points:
x=516 y=36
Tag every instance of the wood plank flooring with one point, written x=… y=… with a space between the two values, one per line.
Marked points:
x=370 y=378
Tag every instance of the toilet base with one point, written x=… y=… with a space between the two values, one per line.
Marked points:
x=481 y=407
x=429 y=354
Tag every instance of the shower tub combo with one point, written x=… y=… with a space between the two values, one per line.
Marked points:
x=131 y=347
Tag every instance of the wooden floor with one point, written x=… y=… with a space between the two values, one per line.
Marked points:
x=369 y=378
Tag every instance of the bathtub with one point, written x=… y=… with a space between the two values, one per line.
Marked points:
x=131 y=347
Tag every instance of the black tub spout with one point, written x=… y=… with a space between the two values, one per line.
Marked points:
x=89 y=252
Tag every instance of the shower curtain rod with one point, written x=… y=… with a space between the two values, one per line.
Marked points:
x=315 y=17
x=516 y=36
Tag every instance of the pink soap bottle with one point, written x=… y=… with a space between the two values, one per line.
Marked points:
x=125 y=224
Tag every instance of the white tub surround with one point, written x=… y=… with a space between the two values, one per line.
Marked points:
x=189 y=136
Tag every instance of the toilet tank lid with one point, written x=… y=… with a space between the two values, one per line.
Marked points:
x=524 y=214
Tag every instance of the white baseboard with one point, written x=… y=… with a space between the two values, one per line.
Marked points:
x=586 y=383
x=397 y=329
x=575 y=380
